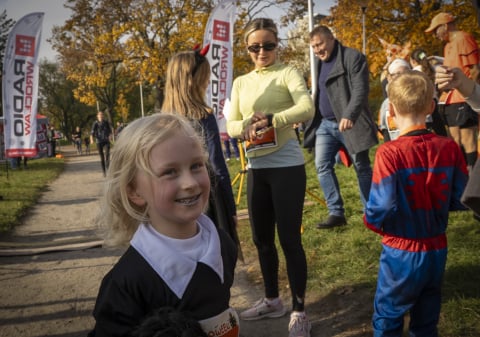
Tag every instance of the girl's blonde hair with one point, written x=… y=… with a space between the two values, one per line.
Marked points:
x=411 y=93
x=260 y=24
x=118 y=217
x=186 y=82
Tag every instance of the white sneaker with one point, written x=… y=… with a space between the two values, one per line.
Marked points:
x=299 y=325
x=264 y=308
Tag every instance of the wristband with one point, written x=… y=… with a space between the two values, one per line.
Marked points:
x=269 y=120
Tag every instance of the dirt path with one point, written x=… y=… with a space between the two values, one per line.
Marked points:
x=51 y=267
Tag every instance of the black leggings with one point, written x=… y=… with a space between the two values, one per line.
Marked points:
x=104 y=152
x=276 y=196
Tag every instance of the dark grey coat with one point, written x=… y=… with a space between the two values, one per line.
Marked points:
x=347 y=86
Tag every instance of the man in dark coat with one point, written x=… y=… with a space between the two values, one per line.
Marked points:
x=342 y=119
x=102 y=132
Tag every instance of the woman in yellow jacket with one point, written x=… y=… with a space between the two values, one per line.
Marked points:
x=265 y=105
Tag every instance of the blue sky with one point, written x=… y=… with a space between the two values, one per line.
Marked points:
x=323 y=6
x=56 y=14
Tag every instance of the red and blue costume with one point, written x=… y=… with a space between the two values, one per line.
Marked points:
x=417 y=180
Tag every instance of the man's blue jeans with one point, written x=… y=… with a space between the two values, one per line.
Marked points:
x=328 y=141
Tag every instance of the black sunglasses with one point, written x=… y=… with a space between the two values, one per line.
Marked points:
x=255 y=48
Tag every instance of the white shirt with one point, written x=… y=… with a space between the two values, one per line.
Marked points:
x=175 y=260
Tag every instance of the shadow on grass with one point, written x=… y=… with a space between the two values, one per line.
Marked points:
x=344 y=311
x=461 y=281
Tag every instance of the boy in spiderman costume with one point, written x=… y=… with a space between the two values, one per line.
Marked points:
x=417 y=179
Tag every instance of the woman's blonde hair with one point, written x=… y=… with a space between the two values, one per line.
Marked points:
x=186 y=82
x=411 y=93
x=118 y=217
x=260 y=24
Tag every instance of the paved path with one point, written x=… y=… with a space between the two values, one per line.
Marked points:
x=52 y=294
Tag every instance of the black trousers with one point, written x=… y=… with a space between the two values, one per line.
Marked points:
x=104 y=152
x=275 y=196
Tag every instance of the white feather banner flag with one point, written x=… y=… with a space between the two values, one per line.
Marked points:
x=219 y=34
x=20 y=86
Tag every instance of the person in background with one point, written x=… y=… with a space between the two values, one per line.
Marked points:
x=52 y=139
x=342 y=119
x=119 y=129
x=102 y=132
x=156 y=190
x=420 y=61
x=187 y=79
x=16 y=162
x=461 y=51
x=417 y=180
x=231 y=144
x=454 y=78
x=86 y=141
x=386 y=121
x=265 y=104
x=77 y=139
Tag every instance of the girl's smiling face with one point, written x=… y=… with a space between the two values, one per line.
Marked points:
x=179 y=192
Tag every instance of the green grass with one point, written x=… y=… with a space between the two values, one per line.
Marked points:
x=348 y=257
x=22 y=188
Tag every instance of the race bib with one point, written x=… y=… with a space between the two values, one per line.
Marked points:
x=224 y=324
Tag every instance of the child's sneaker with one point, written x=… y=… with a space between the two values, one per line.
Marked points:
x=264 y=308
x=299 y=325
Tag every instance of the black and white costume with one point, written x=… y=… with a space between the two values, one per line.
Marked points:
x=193 y=275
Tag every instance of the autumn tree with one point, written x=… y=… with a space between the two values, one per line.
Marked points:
x=396 y=21
x=57 y=101
x=105 y=40
x=5 y=25
x=105 y=43
x=78 y=44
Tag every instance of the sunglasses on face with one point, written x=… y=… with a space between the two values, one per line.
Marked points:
x=255 y=48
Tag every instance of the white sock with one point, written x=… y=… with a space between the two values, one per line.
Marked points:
x=298 y=314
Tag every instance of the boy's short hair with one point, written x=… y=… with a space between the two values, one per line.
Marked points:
x=168 y=322
x=411 y=93
x=321 y=30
